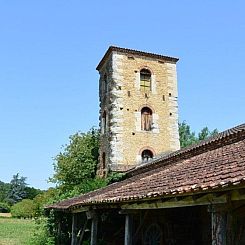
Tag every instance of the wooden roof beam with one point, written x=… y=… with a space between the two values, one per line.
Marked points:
x=206 y=199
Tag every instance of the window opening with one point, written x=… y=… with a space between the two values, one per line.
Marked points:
x=145 y=80
x=146 y=155
x=106 y=85
x=103 y=126
x=146 y=119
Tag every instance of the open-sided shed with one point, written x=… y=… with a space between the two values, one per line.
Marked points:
x=192 y=196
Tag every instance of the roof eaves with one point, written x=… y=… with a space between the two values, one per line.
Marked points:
x=221 y=187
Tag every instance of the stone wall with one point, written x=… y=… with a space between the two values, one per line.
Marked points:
x=124 y=141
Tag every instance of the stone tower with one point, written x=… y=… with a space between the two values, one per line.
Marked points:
x=138 y=108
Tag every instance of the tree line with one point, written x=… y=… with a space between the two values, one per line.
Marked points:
x=15 y=191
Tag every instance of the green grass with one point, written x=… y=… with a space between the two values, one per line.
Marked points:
x=16 y=231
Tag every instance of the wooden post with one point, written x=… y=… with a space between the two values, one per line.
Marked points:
x=74 y=230
x=82 y=231
x=218 y=219
x=128 y=230
x=94 y=228
x=59 y=233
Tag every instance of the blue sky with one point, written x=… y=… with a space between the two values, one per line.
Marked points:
x=49 y=85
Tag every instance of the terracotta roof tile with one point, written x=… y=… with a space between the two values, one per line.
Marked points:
x=209 y=165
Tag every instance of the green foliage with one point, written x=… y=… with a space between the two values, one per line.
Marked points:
x=32 y=192
x=41 y=235
x=4 y=207
x=187 y=137
x=205 y=133
x=115 y=177
x=4 y=189
x=44 y=198
x=47 y=231
x=75 y=167
x=17 y=190
x=24 y=209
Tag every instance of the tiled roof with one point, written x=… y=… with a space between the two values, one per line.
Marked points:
x=214 y=164
x=218 y=140
x=134 y=52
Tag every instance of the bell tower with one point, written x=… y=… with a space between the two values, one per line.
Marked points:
x=138 y=108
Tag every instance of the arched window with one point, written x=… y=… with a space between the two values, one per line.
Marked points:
x=145 y=80
x=153 y=235
x=146 y=155
x=146 y=119
x=103 y=123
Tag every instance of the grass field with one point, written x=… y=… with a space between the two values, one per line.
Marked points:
x=15 y=231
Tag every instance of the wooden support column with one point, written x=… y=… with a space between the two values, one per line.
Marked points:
x=82 y=231
x=59 y=233
x=94 y=229
x=74 y=229
x=128 y=239
x=218 y=218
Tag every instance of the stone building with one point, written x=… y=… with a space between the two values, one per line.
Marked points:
x=138 y=108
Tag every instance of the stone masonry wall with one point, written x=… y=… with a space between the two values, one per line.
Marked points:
x=124 y=140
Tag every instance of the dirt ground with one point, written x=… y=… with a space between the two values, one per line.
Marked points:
x=8 y=215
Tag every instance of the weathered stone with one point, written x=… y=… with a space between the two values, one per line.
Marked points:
x=124 y=141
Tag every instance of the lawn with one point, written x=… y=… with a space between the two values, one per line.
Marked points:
x=15 y=231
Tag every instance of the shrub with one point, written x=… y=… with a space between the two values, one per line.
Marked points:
x=42 y=235
x=24 y=209
x=4 y=207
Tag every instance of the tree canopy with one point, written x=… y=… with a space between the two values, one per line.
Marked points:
x=4 y=189
x=17 y=190
x=188 y=137
x=75 y=167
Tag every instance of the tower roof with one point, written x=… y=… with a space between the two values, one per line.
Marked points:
x=134 y=52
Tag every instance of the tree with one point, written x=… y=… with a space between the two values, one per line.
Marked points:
x=4 y=189
x=187 y=137
x=205 y=133
x=75 y=167
x=32 y=192
x=46 y=197
x=17 y=190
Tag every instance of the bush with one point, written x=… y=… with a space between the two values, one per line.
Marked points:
x=41 y=235
x=24 y=209
x=4 y=207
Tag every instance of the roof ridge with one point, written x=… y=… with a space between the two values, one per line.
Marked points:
x=226 y=137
